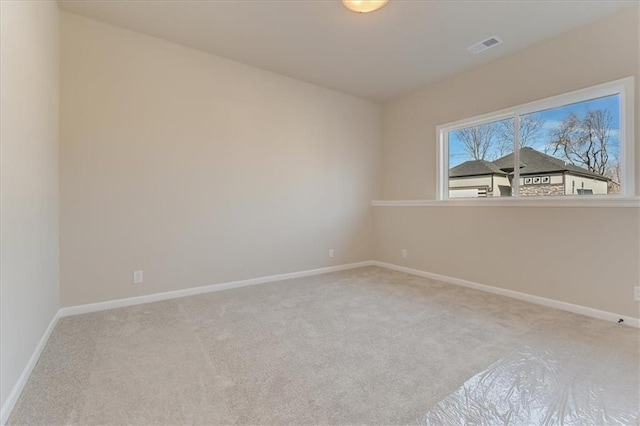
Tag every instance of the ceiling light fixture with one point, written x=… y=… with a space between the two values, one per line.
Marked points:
x=364 y=6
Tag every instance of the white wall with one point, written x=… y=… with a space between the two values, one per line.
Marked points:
x=29 y=179
x=598 y=186
x=200 y=170
x=587 y=256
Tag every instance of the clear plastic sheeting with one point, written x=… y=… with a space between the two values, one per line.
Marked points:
x=550 y=387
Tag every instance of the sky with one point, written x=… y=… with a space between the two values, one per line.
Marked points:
x=552 y=119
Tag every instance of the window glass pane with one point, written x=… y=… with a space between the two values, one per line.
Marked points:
x=571 y=150
x=474 y=153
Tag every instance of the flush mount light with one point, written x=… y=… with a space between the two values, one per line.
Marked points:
x=364 y=6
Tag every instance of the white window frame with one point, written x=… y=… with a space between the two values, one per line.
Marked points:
x=623 y=87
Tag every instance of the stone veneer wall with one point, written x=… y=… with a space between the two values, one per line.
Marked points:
x=547 y=189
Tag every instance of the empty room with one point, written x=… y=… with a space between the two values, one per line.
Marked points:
x=320 y=212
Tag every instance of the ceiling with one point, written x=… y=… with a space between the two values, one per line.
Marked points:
x=378 y=56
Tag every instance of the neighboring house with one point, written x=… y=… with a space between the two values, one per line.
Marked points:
x=540 y=174
x=478 y=178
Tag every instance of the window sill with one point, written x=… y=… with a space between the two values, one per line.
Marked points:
x=611 y=202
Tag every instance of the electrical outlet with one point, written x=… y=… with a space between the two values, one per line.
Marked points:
x=331 y=253
x=404 y=253
x=138 y=277
x=636 y=293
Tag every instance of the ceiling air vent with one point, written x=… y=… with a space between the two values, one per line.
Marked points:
x=484 y=45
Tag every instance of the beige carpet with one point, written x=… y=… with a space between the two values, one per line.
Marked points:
x=366 y=346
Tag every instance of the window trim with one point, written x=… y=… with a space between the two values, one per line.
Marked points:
x=623 y=87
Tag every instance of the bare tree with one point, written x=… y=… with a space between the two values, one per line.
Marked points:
x=477 y=141
x=530 y=130
x=613 y=173
x=584 y=140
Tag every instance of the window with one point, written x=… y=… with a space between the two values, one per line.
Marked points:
x=578 y=144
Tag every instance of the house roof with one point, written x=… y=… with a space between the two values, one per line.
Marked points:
x=474 y=168
x=532 y=162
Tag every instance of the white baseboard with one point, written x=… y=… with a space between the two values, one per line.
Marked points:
x=570 y=307
x=130 y=301
x=11 y=400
